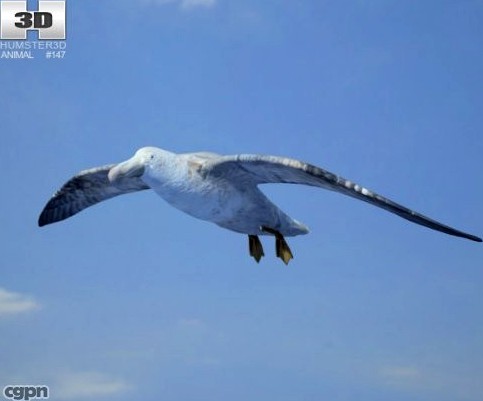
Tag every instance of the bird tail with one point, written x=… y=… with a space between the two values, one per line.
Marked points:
x=298 y=228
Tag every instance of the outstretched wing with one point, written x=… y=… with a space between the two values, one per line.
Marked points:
x=259 y=169
x=86 y=189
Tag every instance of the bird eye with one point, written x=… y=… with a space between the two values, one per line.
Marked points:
x=152 y=157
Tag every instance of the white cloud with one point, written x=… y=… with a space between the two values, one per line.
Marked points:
x=189 y=4
x=455 y=383
x=400 y=373
x=185 y=4
x=12 y=303
x=86 y=385
x=191 y=322
x=159 y=2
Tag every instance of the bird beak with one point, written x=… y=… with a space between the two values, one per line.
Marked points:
x=128 y=169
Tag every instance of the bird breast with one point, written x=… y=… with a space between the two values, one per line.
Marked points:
x=197 y=196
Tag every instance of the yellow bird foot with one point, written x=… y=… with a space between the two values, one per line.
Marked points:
x=282 y=249
x=256 y=248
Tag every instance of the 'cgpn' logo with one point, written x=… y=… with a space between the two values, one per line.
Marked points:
x=16 y=20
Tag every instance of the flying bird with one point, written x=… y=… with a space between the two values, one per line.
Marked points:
x=220 y=189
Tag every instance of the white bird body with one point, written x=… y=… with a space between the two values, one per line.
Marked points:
x=241 y=208
x=220 y=189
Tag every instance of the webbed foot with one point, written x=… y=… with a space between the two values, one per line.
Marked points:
x=256 y=248
x=282 y=249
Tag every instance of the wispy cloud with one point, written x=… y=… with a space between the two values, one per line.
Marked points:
x=190 y=322
x=12 y=303
x=450 y=381
x=400 y=373
x=189 y=4
x=86 y=385
x=185 y=4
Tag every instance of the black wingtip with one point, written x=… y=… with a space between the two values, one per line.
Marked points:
x=47 y=217
x=469 y=236
x=466 y=236
x=42 y=221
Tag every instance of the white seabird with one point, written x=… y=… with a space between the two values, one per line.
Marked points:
x=220 y=189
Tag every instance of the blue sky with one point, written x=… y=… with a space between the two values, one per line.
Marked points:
x=131 y=299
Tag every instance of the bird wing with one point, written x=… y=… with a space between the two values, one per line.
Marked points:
x=86 y=189
x=260 y=169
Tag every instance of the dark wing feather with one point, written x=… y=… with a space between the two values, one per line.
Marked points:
x=86 y=189
x=260 y=169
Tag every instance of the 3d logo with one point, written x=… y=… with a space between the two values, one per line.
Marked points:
x=16 y=20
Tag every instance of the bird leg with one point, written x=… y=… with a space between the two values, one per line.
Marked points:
x=282 y=249
x=256 y=248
